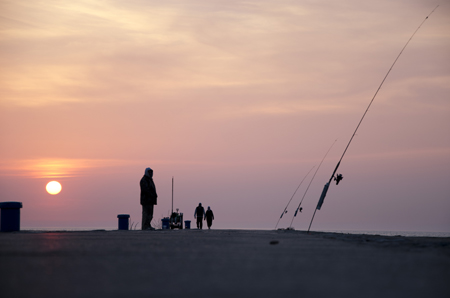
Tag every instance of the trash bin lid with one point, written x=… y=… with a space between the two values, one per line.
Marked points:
x=123 y=216
x=11 y=205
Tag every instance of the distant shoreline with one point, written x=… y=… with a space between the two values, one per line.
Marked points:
x=408 y=234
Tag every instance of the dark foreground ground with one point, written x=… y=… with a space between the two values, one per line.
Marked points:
x=221 y=263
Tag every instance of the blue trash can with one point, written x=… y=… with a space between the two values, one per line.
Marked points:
x=123 y=221
x=187 y=224
x=165 y=223
x=10 y=216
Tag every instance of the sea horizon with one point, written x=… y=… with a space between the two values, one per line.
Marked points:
x=362 y=232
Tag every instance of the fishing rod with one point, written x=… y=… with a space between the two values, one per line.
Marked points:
x=172 y=196
x=298 y=208
x=285 y=209
x=339 y=176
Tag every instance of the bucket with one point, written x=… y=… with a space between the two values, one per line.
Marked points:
x=10 y=216
x=123 y=221
x=187 y=224
x=165 y=223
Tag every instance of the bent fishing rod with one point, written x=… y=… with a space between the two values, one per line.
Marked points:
x=298 y=208
x=285 y=209
x=327 y=185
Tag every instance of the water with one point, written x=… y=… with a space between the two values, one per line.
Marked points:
x=71 y=229
x=383 y=233
x=396 y=233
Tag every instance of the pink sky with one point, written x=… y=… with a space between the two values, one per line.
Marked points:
x=235 y=99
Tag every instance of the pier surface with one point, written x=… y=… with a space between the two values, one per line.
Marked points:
x=221 y=263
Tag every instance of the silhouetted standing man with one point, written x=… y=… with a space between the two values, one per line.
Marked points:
x=148 y=199
x=199 y=213
x=209 y=216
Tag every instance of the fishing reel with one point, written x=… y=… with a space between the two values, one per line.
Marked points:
x=338 y=178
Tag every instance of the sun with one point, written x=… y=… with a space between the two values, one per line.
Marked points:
x=53 y=187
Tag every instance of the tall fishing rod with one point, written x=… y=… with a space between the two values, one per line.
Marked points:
x=298 y=208
x=339 y=177
x=172 y=197
x=284 y=211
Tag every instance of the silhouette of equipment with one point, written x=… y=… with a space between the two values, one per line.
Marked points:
x=338 y=178
x=176 y=220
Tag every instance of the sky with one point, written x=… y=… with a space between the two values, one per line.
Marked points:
x=237 y=101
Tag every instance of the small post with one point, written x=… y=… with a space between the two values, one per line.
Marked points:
x=124 y=220
x=10 y=216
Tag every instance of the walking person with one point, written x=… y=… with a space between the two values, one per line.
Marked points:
x=148 y=199
x=209 y=217
x=198 y=214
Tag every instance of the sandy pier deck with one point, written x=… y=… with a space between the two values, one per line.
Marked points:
x=221 y=263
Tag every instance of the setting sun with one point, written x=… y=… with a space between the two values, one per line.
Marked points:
x=53 y=187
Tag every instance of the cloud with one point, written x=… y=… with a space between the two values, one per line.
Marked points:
x=247 y=92
x=55 y=168
x=140 y=51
